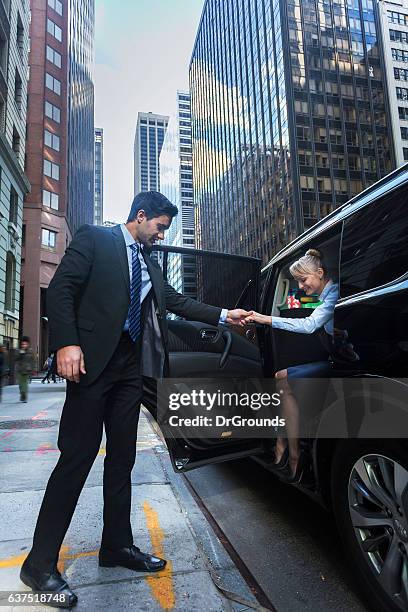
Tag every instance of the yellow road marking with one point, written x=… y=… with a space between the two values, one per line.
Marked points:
x=162 y=585
x=14 y=561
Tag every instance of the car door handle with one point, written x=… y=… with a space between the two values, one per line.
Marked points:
x=209 y=335
x=228 y=342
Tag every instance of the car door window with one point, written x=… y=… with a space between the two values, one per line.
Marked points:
x=217 y=279
x=375 y=245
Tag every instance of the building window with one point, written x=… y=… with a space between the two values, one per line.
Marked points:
x=398 y=36
x=53 y=83
x=400 y=74
x=53 y=112
x=48 y=238
x=18 y=90
x=395 y=17
x=54 y=57
x=10 y=301
x=51 y=169
x=54 y=30
x=16 y=141
x=405 y=151
x=20 y=35
x=402 y=93
x=50 y=199
x=399 y=55
x=56 y=5
x=403 y=112
x=13 y=212
x=51 y=140
x=404 y=133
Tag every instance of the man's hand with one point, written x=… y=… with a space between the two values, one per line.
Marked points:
x=237 y=317
x=70 y=363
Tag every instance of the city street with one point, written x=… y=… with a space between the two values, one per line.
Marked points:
x=283 y=544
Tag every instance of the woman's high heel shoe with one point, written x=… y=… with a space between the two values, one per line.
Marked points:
x=283 y=461
x=295 y=478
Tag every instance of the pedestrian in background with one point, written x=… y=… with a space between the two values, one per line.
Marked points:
x=3 y=355
x=50 y=371
x=24 y=366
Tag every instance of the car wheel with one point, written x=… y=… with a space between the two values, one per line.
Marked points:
x=370 y=500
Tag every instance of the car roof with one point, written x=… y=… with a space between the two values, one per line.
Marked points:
x=385 y=185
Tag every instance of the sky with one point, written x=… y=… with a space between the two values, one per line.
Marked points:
x=142 y=54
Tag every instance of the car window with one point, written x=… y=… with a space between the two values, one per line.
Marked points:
x=375 y=245
x=213 y=278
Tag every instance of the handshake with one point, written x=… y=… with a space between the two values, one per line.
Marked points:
x=241 y=317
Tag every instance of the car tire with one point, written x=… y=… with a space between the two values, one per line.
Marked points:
x=374 y=530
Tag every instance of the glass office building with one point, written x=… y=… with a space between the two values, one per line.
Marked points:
x=149 y=137
x=80 y=207
x=289 y=117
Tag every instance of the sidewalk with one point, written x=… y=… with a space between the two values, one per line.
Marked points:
x=163 y=515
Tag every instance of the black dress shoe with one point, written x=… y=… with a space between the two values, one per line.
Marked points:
x=49 y=582
x=132 y=558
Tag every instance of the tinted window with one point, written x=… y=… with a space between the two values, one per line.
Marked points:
x=217 y=279
x=375 y=244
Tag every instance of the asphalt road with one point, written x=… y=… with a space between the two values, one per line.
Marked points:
x=287 y=541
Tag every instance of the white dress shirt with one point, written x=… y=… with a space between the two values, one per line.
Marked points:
x=322 y=315
x=146 y=282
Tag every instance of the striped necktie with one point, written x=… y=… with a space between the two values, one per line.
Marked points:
x=135 y=290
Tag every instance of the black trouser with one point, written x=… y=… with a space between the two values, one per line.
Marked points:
x=112 y=400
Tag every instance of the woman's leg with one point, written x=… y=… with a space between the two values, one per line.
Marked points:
x=290 y=412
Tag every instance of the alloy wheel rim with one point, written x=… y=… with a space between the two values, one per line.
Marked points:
x=378 y=505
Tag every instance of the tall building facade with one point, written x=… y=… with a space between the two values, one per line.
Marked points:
x=60 y=150
x=149 y=137
x=14 y=41
x=98 y=197
x=81 y=113
x=176 y=181
x=289 y=117
x=394 y=27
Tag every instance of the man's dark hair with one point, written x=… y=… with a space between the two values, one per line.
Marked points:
x=25 y=339
x=154 y=203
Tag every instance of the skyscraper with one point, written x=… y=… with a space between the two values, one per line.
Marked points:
x=289 y=117
x=394 y=27
x=176 y=181
x=81 y=113
x=14 y=26
x=149 y=137
x=98 y=197
x=60 y=149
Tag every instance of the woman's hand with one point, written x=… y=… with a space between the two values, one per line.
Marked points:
x=256 y=317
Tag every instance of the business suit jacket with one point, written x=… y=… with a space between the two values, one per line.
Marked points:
x=88 y=301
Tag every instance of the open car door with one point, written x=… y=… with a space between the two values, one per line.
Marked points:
x=198 y=350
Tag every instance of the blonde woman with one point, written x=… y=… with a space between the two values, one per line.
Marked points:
x=312 y=276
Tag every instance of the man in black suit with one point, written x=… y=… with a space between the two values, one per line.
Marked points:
x=107 y=300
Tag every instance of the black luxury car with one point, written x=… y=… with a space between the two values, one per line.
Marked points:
x=362 y=478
